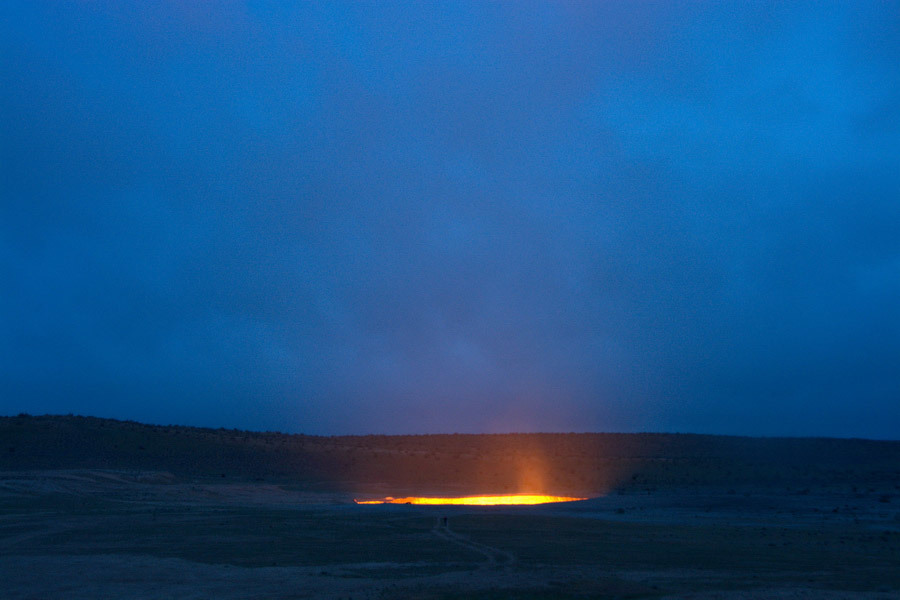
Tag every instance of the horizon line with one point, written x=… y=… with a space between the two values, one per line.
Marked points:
x=459 y=433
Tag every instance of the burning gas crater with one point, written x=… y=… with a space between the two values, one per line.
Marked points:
x=474 y=500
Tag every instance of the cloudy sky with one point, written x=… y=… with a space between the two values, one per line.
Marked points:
x=434 y=217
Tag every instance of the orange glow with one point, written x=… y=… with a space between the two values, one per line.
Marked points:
x=474 y=500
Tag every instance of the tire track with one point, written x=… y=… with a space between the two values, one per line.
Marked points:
x=495 y=558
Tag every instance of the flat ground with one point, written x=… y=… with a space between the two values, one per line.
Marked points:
x=138 y=534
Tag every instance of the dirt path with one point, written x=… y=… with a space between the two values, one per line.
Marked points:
x=7 y=542
x=495 y=558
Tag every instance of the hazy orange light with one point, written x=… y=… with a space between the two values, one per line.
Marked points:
x=474 y=500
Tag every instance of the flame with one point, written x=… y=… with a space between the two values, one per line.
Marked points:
x=474 y=500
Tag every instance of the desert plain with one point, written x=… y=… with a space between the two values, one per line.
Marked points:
x=95 y=508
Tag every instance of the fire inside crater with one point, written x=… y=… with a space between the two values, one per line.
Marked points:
x=514 y=499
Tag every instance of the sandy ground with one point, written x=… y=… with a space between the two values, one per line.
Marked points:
x=109 y=534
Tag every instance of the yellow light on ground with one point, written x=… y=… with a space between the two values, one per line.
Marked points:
x=474 y=500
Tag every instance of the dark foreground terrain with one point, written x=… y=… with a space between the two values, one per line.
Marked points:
x=669 y=516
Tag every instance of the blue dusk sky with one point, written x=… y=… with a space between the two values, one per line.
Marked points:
x=379 y=217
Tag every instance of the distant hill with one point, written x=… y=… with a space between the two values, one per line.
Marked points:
x=578 y=463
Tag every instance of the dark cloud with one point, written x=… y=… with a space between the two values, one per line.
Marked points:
x=408 y=218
